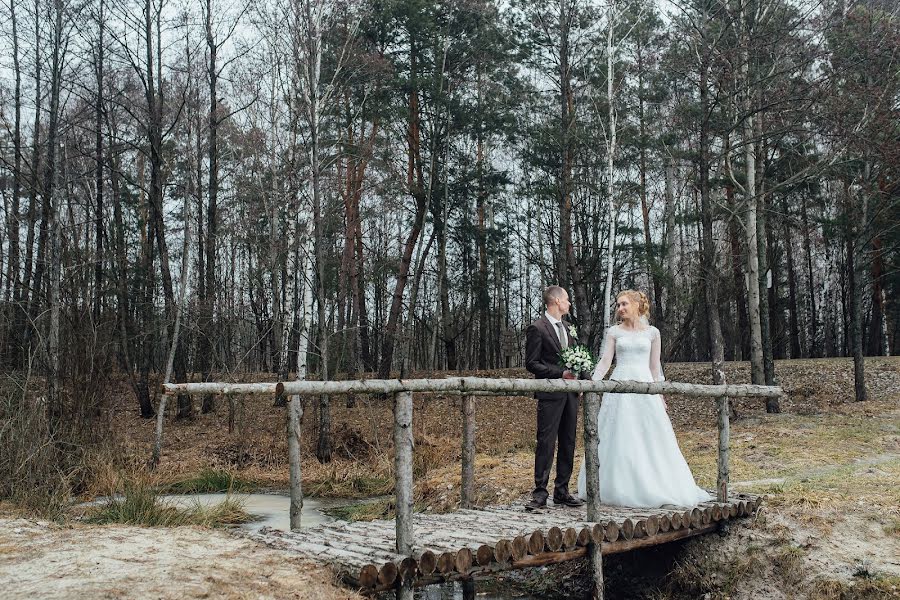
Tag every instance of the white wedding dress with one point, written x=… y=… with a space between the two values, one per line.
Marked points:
x=641 y=464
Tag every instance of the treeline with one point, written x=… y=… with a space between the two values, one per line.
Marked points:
x=384 y=185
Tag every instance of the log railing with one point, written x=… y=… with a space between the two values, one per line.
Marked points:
x=469 y=387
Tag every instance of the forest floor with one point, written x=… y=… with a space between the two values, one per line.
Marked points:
x=830 y=527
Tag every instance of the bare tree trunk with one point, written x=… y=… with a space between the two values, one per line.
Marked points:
x=147 y=289
x=742 y=343
x=667 y=302
x=610 y=162
x=176 y=329
x=98 y=157
x=766 y=279
x=445 y=328
x=565 y=123
x=31 y=287
x=814 y=350
x=295 y=402
x=415 y=183
x=877 y=337
x=153 y=91
x=650 y=260
x=356 y=172
x=851 y=235
x=122 y=297
x=309 y=21
x=51 y=185
x=751 y=221
x=569 y=267
x=358 y=271
x=708 y=257
x=14 y=275
x=793 y=309
x=209 y=331
x=482 y=296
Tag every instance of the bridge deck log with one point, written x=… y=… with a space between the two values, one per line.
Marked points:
x=475 y=542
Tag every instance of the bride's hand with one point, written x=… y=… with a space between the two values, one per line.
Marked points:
x=665 y=404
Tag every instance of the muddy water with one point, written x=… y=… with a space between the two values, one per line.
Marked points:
x=269 y=510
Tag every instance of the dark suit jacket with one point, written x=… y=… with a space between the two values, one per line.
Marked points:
x=542 y=350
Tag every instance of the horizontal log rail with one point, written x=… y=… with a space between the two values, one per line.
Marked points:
x=402 y=391
x=475 y=385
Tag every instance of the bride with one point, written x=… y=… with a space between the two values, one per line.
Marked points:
x=640 y=462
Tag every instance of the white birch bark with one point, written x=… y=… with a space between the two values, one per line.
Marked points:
x=176 y=329
x=473 y=385
x=610 y=159
x=750 y=222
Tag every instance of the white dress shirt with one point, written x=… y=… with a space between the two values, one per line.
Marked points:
x=553 y=321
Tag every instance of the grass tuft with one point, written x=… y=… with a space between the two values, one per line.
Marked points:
x=210 y=481
x=363 y=511
x=788 y=561
x=141 y=506
x=893 y=528
x=877 y=588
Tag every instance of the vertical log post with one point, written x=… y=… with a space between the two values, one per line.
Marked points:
x=591 y=406
x=724 y=444
x=403 y=481
x=295 y=413
x=160 y=421
x=467 y=494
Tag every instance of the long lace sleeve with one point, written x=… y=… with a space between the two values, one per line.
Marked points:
x=655 y=351
x=607 y=352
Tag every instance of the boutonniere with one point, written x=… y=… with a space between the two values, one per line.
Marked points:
x=572 y=331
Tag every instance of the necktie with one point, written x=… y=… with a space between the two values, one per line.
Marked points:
x=563 y=340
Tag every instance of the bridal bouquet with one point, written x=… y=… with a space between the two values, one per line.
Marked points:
x=578 y=359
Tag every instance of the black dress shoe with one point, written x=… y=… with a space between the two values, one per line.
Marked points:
x=535 y=505
x=569 y=500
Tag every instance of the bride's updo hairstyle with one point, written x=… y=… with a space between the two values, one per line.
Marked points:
x=638 y=298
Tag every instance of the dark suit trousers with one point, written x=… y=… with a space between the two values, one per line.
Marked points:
x=555 y=419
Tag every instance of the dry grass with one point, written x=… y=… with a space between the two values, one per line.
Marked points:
x=816 y=431
x=141 y=505
x=866 y=589
x=257 y=450
x=893 y=528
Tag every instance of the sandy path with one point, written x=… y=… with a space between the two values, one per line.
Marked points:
x=44 y=560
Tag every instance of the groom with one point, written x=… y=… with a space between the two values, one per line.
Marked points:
x=557 y=412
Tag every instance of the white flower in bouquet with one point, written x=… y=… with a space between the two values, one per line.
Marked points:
x=577 y=359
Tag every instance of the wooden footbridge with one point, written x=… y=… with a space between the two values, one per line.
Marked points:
x=472 y=543
x=418 y=549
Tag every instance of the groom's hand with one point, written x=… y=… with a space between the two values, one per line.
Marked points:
x=568 y=374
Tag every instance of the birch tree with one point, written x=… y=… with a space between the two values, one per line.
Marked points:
x=311 y=20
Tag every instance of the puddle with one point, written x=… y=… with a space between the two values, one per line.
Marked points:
x=269 y=510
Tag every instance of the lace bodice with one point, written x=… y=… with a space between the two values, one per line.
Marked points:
x=637 y=354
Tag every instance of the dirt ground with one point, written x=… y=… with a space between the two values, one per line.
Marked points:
x=39 y=559
x=830 y=528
